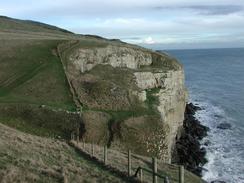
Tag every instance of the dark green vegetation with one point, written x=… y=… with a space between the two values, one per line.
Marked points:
x=161 y=62
x=152 y=100
x=42 y=121
x=165 y=62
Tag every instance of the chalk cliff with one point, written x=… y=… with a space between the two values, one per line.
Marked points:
x=138 y=96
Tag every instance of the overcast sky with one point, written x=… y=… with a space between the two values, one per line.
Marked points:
x=158 y=24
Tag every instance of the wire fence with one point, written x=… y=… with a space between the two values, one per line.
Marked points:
x=144 y=170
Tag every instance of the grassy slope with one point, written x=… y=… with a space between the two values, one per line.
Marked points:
x=25 y=25
x=119 y=161
x=26 y=158
x=32 y=73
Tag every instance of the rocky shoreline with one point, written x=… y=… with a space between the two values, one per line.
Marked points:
x=188 y=150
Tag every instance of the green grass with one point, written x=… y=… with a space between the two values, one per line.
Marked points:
x=152 y=100
x=24 y=126
x=164 y=61
x=161 y=63
x=31 y=76
x=39 y=121
x=32 y=73
x=25 y=25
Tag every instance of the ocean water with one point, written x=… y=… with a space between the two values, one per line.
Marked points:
x=215 y=80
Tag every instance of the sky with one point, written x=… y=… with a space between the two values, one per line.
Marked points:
x=157 y=24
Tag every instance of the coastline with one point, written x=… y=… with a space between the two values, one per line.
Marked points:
x=220 y=105
x=188 y=150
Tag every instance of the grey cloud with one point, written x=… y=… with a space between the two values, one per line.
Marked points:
x=217 y=10
x=185 y=20
x=206 y=9
x=132 y=38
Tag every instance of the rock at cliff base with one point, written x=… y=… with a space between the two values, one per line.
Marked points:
x=224 y=126
x=188 y=147
x=218 y=181
x=191 y=108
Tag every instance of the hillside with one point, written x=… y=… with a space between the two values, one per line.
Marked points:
x=54 y=83
x=27 y=158
x=8 y=23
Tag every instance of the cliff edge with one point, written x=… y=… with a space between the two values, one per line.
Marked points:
x=130 y=97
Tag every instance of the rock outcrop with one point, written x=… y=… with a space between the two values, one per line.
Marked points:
x=86 y=59
x=188 y=151
x=142 y=91
x=172 y=98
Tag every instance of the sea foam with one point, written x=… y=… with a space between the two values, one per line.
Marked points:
x=224 y=156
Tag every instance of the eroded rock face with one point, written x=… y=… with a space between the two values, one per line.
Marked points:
x=119 y=78
x=86 y=59
x=172 y=99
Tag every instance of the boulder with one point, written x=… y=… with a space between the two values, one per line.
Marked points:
x=188 y=147
x=224 y=126
x=218 y=181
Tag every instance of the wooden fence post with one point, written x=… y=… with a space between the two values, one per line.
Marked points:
x=141 y=175
x=105 y=155
x=92 y=149
x=155 y=170
x=129 y=163
x=181 y=174
x=78 y=135
x=166 y=180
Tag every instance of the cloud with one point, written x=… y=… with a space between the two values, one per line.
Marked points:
x=106 y=8
x=217 y=10
x=205 y=9
x=150 y=22
x=149 y=40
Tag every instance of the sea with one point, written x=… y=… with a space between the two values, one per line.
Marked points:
x=215 y=82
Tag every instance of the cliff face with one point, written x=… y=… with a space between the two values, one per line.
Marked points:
x=172 y=98
x=86 y=59
x=140 y=93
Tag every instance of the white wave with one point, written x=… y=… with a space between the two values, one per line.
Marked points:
x=224 y=153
